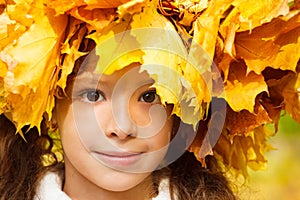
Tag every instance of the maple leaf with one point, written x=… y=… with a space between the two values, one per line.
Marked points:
x=103 y=19
x=252 y=14
x=243 y=122
x=34 y=50
x=273 y=44
x=113 y=49
x=6 y=25
x=237 y=153
x=230 y=154
x=62 y=6
x=208 y=132
x=249 y=84
x=206 y=25
x=70 y=51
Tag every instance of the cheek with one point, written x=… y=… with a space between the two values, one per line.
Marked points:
x=62 y=115
x=66 y=123
x=162 y=138
x=140 y=114
x=151 y=120
x=144 y=114
x=69 y=125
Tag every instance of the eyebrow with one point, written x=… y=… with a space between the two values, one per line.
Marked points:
x=89 y=79
x=146 y=82
x=94 y=78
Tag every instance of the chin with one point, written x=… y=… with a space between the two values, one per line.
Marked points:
x=125 y=181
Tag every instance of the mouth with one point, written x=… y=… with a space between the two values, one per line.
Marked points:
x=117 y=159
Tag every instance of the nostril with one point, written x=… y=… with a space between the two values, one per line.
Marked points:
x=113 y=135
x=120 y=135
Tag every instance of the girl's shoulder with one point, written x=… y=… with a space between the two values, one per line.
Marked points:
x=50 y=188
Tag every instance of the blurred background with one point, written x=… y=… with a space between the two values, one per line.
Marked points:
x=281 y=179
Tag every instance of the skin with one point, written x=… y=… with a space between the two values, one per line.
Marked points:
x=114 y=133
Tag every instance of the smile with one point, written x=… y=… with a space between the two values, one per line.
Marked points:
x=117 y=158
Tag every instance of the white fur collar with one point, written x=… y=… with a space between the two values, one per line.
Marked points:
x=50 y=189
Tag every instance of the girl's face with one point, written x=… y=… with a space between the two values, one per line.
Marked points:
x=114 y=130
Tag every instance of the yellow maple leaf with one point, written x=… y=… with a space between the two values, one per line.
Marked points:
x=257 y=149
x=5 y=24
x=62 y=6
x=104 y=17
x=70 y=50
x=237 y=153
x=247 y=15
x=230 y=154
x=113 y=49
x=250 y=85
x=207 y=24
x=34 y=55
x=256 y=13
x=275 y=44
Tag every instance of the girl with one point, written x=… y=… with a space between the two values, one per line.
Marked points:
x=116 y=135
x=128 y=94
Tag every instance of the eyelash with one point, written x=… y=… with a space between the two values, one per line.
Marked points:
x=156 y=97
x=85 y=97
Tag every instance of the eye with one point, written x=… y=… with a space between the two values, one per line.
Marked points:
x=150 y=97
x=92 y=96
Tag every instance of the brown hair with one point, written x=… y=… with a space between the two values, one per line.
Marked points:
x=190 y=181
x=21 y=165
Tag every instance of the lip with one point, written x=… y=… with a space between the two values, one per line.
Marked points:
x=118 y=158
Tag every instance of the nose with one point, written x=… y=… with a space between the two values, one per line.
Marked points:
x=120 y=124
